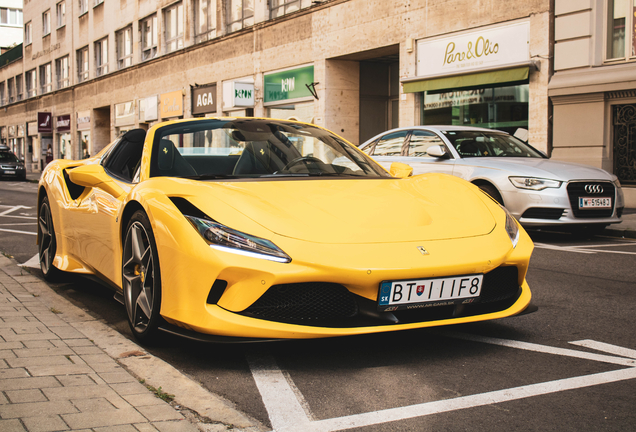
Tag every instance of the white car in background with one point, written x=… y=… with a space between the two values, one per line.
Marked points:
x=536 y=190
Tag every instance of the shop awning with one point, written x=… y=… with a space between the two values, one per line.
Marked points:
x=510 y=73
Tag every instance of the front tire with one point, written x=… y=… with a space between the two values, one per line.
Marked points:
x=48 y=243
x=492 y=191
x=141 y=279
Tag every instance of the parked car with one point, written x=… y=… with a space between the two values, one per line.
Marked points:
x=266 y=228
x=10 y=165
x=536 y=190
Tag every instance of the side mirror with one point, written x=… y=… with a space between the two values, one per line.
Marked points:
x=401 y=170
x=437 y=151
x=94 y=176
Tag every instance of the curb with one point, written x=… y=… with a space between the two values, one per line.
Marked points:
x=206 y=411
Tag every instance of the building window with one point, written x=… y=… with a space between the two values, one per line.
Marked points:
x=62 y=72
x=204 y=20
x=148 y=29
x=82 y=64
x=83 y=6
x=124 y=47
x=11 y=17
x=28 y=28
x=45 y=78
x=18 y=88
x=46 y=23
x=282 y=7
x=97 y=2
x=174 y=27
x=31 y=83
x=240 y=14
x=61 y=13
x=101 y=57
x=2 y=102
x=621 y=37
x=10 y=90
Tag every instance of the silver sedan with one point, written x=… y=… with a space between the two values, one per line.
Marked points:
x=535 y=189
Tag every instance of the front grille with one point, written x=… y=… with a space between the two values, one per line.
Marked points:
x=311 y=301
x=542 y=213
x=577 y=190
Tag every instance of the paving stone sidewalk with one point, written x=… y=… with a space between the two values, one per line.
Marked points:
x=53 y=378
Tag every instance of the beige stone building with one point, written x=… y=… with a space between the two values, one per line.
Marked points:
x=92 y=69
x=593 y=90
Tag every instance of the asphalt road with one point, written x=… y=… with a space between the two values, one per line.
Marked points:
x=563 y=368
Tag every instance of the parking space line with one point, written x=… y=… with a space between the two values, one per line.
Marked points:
x=287 y=414
x=583 y=249
x=605 y=347
x=18 y=232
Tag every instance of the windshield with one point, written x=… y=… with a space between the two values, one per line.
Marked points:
x=489 y=144
x=255 y=148
x=8 y=157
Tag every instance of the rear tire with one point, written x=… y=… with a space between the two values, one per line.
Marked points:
x=48 y=243
x=141 y=279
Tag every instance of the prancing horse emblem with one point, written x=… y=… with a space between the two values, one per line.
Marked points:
x=421 y=249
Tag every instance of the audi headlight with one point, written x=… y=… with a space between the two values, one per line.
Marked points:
x=226 y=239
x=511 y=228
x=533 y=183
x=620 y=199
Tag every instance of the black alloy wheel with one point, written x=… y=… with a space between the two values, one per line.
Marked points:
x=48 y=244
x=141 y=279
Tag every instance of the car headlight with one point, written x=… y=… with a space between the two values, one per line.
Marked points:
x=511 y=228
x=226 y=239
x=620 y=199
x=533 y=183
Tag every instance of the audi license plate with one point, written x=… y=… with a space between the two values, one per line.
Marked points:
x=9 y=172
x=422 y=293
x=595 y=203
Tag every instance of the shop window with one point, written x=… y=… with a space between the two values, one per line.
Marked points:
x=621 y=34
x=303 y=112
x=504 y=108
x=61 y=13
x=28 y=30
x=240 y=14
x=204 y=20
x=124 y=48
x=148 y=29
x=31 y=83
x=46 y=23
x=18 y=88
x=62 y=72
x=173 y=27
x=45 y=78
x=101 y=57
x=82 y=64
x=282 y=7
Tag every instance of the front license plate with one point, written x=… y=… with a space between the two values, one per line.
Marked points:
x=9 y=172
x=421 y=293
x=594 y=203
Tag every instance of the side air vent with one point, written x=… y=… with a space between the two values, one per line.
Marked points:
x=187 y=208
x=74 y=190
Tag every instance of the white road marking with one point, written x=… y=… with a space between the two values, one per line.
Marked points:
x=605 y=347
x=14 y=208
x=561 y=248
x=33 y=262
x=24 y=223
x=17 y=232
x=20 y=217
x=287 y=415
x=584 y=249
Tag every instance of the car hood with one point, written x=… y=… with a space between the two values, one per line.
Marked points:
x=425 y=207
x=544 y=168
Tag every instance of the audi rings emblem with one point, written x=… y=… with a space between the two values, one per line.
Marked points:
x=594 y=188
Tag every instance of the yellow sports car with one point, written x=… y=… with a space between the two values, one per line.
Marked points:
x=262 y=228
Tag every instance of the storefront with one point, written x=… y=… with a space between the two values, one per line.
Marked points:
x=171 y=105
x=477 y=78
x=83 y=124
x=203 y=100
x=124 y=117
x=63 y=134
x=45 y=130
x=33 y=148
x=288 y=94
x=148 y=111
x=238 y=97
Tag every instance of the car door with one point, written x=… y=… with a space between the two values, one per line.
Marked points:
x=417 y=145
x=96 y=216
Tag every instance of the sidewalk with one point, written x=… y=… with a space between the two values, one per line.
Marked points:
x=62 y=370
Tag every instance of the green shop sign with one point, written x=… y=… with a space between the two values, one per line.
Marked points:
x=289 y=84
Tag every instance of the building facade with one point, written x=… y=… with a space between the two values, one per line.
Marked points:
x=92 y=69
x=10 y=24
x=593 y=90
